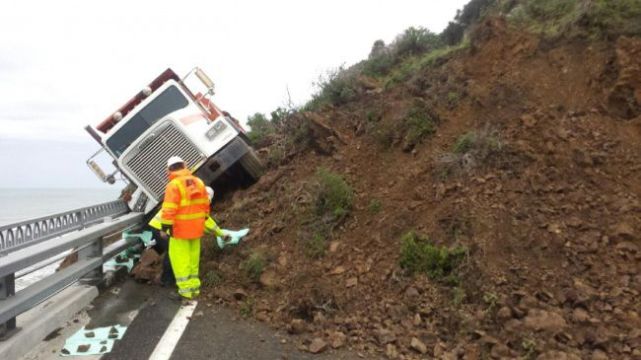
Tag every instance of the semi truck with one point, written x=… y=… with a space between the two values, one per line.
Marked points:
x=168 y=118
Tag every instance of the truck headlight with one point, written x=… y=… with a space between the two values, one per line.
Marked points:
x=216 y=129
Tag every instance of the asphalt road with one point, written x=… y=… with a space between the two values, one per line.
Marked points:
x=154 y=315
x=216 y=333
x=213 y=332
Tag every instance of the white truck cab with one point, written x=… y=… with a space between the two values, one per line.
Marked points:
x=167 y=119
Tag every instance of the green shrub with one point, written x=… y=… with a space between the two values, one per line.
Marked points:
x=470 y=14
x=315 y=246
x=464 y=143
x=417 y=124
x=384 y=134
x=458 y=295
x=405 y=56
x=491 y=300
x=372 y=116
x=332 y=202
x=415 y=41
x=254 y=265
x=299 y=133
x=548 y=17
x=378 y=65
x=403 y=71
x=260 y=126
x=529 y=349
x=412 y=65
x=595 y=18
x=482 y=144
x=472 y=150
x=338 y=87
x=473 y=11
x=279 y=115
x=614 y=17
x=453 y=97
x=334 y=195
x=550 y=9
x=374 y=206
x=276 y=156
x=418 y=255
x=453 y=33
x=247 y=307
x=212 y=278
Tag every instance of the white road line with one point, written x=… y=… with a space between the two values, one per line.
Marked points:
x=174 y=331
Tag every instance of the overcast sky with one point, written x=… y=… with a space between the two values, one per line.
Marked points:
x=66 y=64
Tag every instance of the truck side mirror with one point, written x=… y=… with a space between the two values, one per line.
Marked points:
x=95 y=168
x=205 y=80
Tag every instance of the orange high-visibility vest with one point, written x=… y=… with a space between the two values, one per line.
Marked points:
x=186 y=205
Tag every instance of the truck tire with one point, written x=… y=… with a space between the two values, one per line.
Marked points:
x=252 y=165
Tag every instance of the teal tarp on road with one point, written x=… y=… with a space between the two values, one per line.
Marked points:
x=93 y=341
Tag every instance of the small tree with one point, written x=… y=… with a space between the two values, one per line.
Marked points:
x=415 y=41
x=471 y=13
x=378 y=49
x=260 y=127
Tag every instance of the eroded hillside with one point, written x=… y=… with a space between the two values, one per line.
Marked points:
x=480 y=200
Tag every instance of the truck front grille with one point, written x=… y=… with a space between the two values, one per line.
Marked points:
x=148 y=160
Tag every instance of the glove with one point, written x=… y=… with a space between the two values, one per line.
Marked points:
x=230 y=237
x=167 y=229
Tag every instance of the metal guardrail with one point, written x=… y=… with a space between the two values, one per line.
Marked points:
x=73 y=232
x=29 y=232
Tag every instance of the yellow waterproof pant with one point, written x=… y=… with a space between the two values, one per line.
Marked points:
x=184 y=256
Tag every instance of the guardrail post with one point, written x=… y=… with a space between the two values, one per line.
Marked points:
x=94 y=250
x=7 y=289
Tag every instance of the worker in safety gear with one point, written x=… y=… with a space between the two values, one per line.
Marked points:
x=184 y=211
x=162 y=239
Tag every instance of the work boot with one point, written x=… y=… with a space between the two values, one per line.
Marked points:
x=174 y=296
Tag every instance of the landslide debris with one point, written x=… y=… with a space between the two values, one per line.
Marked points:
x=502 y=167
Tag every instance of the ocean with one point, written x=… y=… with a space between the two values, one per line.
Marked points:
x=23 y=204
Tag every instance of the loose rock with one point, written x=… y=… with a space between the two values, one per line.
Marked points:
x=544 y=320
x=580 y=315
x=297 y=326
x=384 y=336
x=337 y=339
x=268 y=279
x=318 y=345
x=418 y=345
x=391 y=352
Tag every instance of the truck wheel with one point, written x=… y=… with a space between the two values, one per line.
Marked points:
x=252 y=164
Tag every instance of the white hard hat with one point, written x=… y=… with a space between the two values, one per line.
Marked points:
x=174 y=160
x=210 y=193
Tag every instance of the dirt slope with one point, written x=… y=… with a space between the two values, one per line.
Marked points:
x=550 y=210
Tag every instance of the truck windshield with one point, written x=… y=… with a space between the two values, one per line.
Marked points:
x=167 y=102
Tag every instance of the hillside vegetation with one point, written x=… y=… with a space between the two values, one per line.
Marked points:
x=473 y=194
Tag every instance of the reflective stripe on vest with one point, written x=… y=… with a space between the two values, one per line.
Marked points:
x=200 y=215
